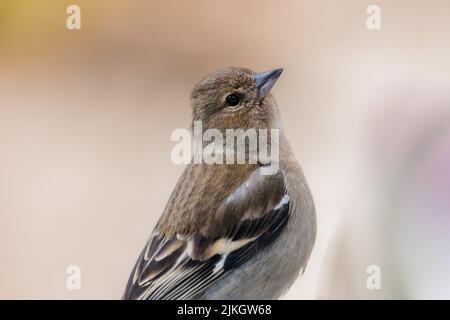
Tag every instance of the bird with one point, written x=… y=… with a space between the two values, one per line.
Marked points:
x=228 y=231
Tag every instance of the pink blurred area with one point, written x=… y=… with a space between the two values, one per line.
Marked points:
x=86 y=117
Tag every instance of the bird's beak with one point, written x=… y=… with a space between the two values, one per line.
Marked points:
x=265 y=81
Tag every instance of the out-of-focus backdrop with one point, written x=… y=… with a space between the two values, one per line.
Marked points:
x=86 y=117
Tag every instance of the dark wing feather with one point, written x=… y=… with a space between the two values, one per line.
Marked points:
x=182 y=268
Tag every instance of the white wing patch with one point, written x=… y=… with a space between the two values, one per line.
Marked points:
x=219 y=265
x=284 y=200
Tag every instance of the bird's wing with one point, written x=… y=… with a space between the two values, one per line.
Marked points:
x=183 y=266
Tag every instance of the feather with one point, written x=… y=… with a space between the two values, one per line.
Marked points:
x=182 y=267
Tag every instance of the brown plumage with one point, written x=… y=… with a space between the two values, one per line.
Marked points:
x=222 y=220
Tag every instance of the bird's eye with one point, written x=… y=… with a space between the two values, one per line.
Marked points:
x=232 y=99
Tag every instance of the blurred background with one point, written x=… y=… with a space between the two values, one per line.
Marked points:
x=86 y=117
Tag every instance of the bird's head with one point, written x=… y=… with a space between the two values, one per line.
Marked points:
x=235 y=98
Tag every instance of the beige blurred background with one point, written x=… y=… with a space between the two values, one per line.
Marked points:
x=86 y=117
